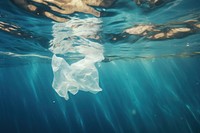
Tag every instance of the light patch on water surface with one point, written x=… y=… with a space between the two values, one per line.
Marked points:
x=71 y=37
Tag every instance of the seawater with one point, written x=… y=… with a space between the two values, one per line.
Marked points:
x=147 y=86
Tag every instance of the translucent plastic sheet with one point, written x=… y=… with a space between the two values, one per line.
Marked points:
x=71 y=37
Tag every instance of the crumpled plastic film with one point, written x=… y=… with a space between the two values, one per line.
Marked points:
x=81 y=75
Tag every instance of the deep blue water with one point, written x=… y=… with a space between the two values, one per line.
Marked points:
x=148 y=86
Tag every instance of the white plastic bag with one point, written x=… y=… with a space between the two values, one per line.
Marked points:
x=81 y=75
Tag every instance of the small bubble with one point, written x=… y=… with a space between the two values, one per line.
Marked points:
x=114 y=38
x=54 y=101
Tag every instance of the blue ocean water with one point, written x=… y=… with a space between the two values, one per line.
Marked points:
x=148 y=86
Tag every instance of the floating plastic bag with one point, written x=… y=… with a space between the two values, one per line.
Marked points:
x=81 y=75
